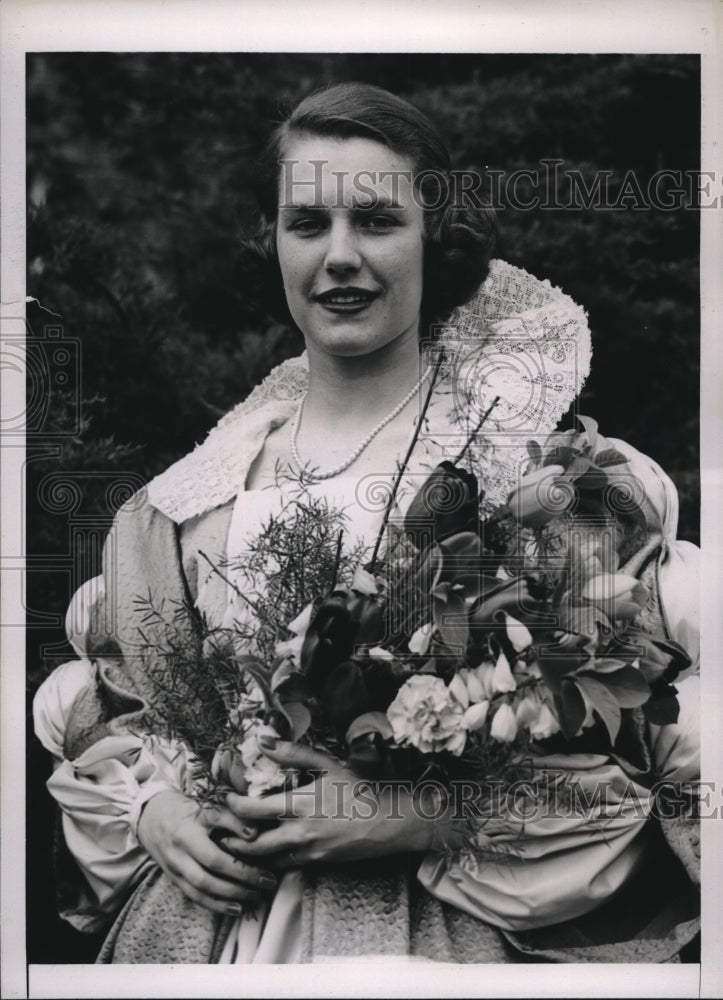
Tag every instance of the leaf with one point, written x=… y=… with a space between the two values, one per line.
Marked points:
x=299 y=718
x=258 y=672
x=584 y=619
x=628 y=686
x=591 y=430
x=679 y=658
x=570 y=708
x=511 y=596
x=461 y=561
x=603 y=702
x=287 y=668
x=450 y=617
x=561 y=455
x=294 y=687
x=606 y=665
x=594 y=479
x=534 y=451
x=246 y=660
x=659 y=658
x=555 y=669
x=369 y=722
x=604 y=459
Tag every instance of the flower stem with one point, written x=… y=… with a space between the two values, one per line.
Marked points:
x=476 y=431
x=337 y=559
x=226 y=580
x=402 y=468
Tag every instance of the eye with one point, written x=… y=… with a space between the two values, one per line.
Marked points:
x=309 y=226
x=380 y=223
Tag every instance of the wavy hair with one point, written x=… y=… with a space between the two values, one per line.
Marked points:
x=459 y=239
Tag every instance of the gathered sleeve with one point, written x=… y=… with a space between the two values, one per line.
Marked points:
x=560 y=863
x=101 y=792
x=556 y=863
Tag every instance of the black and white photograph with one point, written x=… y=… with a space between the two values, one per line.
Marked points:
x=355 y=399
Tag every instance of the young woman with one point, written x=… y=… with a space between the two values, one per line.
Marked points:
x=364 y=245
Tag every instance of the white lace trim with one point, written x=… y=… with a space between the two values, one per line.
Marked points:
x=519 y=338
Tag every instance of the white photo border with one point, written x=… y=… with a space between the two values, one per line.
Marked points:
x=560 y=26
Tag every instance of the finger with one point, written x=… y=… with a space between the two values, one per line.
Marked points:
x=233 y=909
x=225 y=840
x=220 y=863
x=210 y=885
x=221 y=818
x=296 y=755
x=285 y=839
x=283 y=805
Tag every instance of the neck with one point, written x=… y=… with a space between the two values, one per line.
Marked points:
x=360 y=390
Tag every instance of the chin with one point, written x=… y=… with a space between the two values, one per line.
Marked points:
x=351 y=349
x=352 y=341
x=348 y=343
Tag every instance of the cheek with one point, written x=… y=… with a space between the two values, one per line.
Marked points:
x=292 y=269
x=408 y=274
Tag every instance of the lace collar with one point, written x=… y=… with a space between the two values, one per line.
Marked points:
x=519 y=339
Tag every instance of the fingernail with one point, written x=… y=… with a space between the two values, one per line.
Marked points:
x=267 y=742
x=248 y=832
x=267 y=881
x=234 y=909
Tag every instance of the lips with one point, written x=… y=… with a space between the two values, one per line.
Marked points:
x=346 y=299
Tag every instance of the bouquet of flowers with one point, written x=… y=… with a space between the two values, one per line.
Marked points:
x=471 y=641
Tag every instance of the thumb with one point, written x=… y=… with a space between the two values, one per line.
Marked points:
x=299 y=756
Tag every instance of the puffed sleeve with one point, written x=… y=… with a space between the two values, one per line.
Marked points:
x=102 y=791
x=677 y=567
x=556 y=863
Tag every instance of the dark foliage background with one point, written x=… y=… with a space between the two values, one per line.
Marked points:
x=140 y=171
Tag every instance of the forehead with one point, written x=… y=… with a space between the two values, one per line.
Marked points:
x=343 y=173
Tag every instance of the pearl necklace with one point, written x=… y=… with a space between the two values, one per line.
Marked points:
x=360 y=448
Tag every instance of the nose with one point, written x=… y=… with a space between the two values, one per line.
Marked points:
x=342 y=252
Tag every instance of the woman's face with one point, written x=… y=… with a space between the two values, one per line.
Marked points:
x=350 y=244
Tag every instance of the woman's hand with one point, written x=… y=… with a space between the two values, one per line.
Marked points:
x=176 y=832
x=337 y=816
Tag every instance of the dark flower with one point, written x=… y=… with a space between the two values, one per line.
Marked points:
x=446 y=504
x=344 y=695
x=342 y=621
x=455 y=561
x=366 y=618
x=329 y=638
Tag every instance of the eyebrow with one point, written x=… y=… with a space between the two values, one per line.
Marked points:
x=380 y=202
